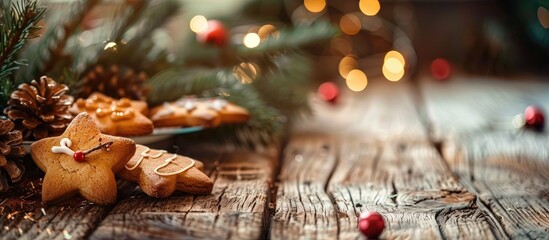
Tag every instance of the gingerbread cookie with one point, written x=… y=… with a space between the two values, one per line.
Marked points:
x=159 y=173
x=228 y=113
x=198 y=112
x=81 y=161
x=116 y=117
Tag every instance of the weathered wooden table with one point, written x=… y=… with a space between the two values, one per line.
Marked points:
x=435 y=159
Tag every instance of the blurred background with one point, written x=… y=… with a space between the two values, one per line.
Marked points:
x=271 y=56
x=481 y=37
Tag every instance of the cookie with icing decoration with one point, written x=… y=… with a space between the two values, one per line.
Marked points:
x=198 y=112
x=121 y=117
x=160 y=173
x=186 y=112
x=82 y=161
x=229 y=113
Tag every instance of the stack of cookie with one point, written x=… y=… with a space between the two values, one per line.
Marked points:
x=83 y=161
x=124 y=117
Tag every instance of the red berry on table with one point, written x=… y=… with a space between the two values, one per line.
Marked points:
x=79 y=156
x=215 y=34
x=328 y=92
x=371 y=224
x=534 y=119
x=440 y=69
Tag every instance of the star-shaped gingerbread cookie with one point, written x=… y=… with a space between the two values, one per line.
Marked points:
x=160 y=173
x=81 y=161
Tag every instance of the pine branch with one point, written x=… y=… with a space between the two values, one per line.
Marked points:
x=294 y=38
x=287 y=85
x=51 y=48
x=129 y=16
x=18 y=25
x=140 y=52
x=69 y=27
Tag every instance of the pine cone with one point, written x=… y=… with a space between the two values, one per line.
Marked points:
x=114 y=81
x=11 y=152
x=40 y=109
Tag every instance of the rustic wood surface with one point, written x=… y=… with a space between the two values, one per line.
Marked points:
x=437 y=160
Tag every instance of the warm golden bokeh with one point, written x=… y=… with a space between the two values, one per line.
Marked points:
x=396 y=55
x=393 y=66
x=198 y=24
x=369 y=7
x=315 y=5
x=350 y=24
x=347 y=64
x=392 y=76
x=251 y=40
x=356 y=80
x=267 y=30
x=246 y=72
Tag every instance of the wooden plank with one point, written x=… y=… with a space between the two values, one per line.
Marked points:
x=236 y=209
x=303 y=209
x=23 y=216
x=509 y=171
x=465 y=104
x=385 y=111
x=410 y=185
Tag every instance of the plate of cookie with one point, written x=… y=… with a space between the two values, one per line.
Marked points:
x=133 y=119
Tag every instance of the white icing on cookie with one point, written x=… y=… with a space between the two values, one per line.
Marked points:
x=145 y=154
x=218 y=104
x=166 y=111
x=188 y=104
x=65 y=143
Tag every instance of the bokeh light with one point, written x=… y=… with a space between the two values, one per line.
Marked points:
x=347 y=64
x=246 y=72
x=396 y=55
x=369 y=7
x=350 y=24
x=266 y=31
x=392 y=76
x=543 y=17
x=315 y=5
x=110 y=46
x=393 y=66
x=198 y=24
x=440 y=69
x=328 y=92
x=356 y=80
x=251 y=40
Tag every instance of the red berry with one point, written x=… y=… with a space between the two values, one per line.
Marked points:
x=534 y=119
x=215 y=34
x=328 y=92
x=79 y=156
x=440 y=69
x=371 y=224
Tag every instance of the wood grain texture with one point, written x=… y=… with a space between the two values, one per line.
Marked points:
x=410 y=185
x=303 y=209
x=236 y=209
x=24 y=216
x=509 y=171
x=385 y=111
x=466 y=104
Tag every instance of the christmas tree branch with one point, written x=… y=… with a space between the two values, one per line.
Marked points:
x=130 y=15
x=294 y=38
x=69 y=27
x=48 y=55
x=18 y=25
